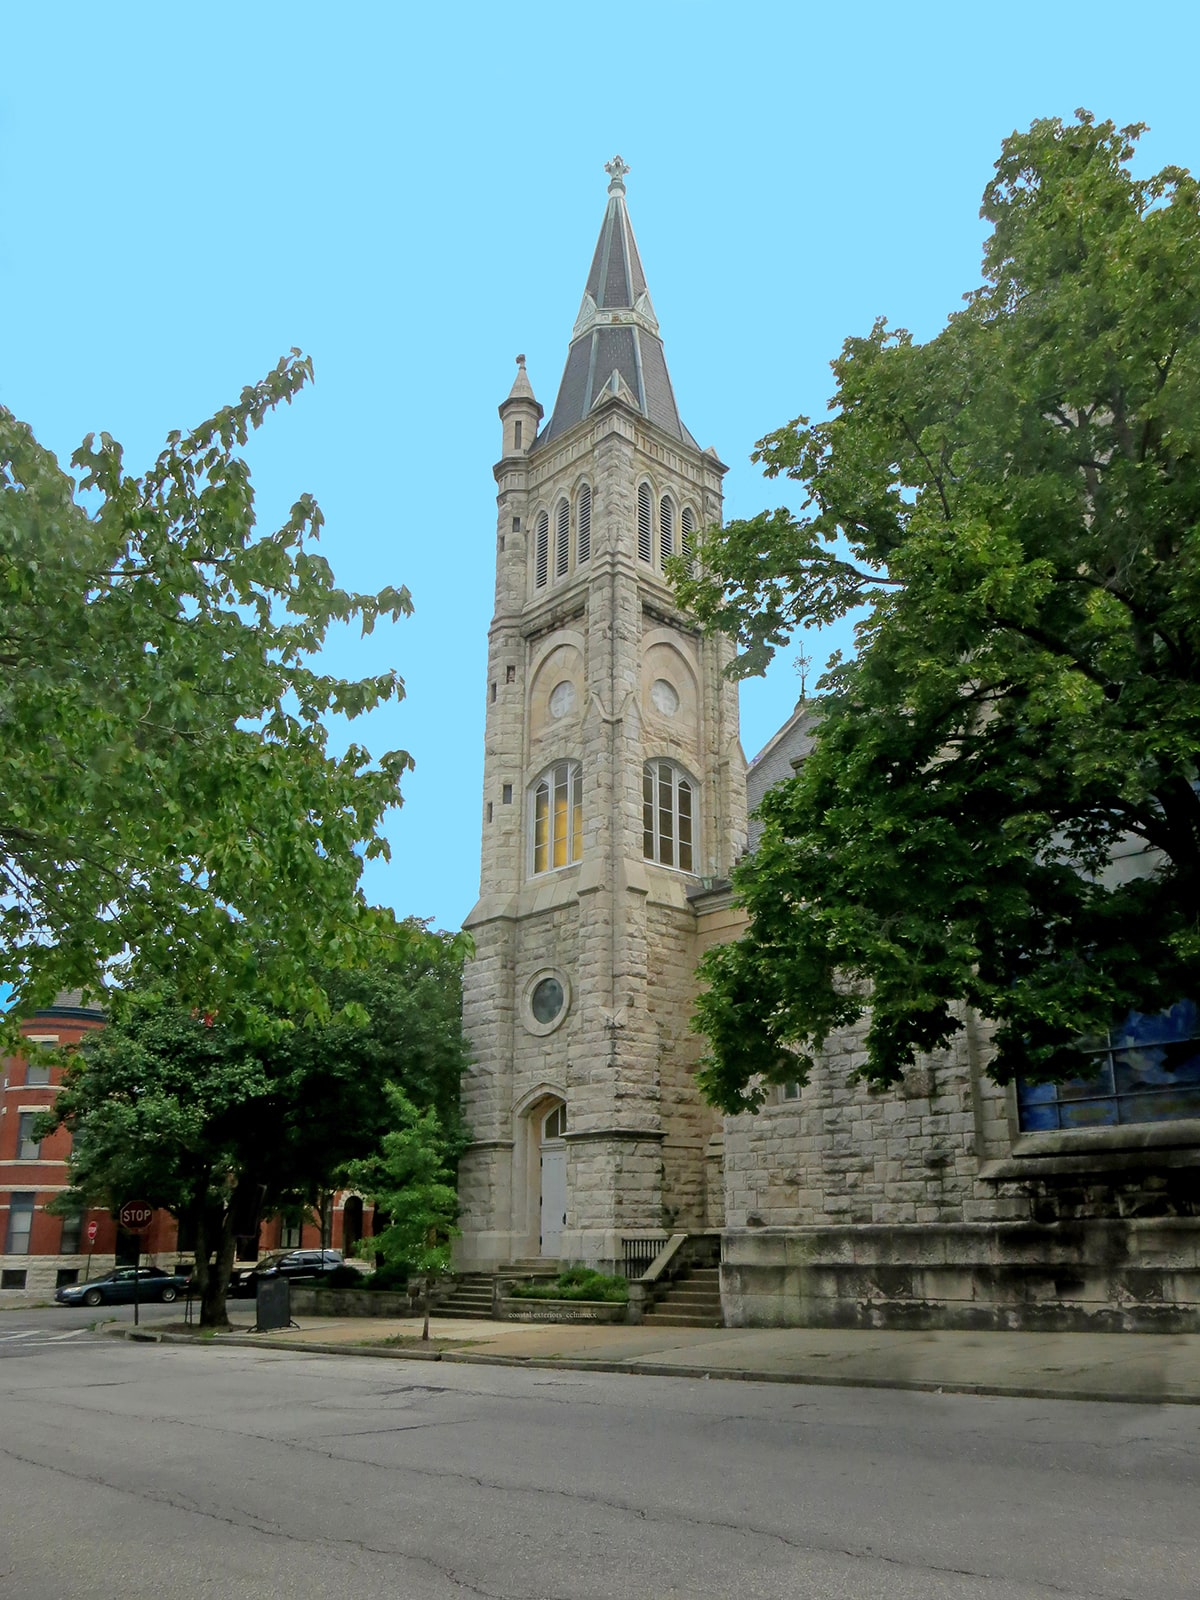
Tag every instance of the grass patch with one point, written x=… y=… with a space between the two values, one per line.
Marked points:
x=577 y=1283
x=412 y=1341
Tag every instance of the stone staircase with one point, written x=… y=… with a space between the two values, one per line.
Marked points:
x=692 y=1301
x=471 y=1294
x=470 y=1297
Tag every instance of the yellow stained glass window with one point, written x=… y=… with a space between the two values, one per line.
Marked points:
x=558 y=817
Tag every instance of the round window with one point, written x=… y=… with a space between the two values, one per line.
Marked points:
x=665 y=697
x=562 y=699
x=546 y=1001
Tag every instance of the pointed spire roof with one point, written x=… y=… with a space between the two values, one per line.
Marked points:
x=522 y=389
x=615 y=345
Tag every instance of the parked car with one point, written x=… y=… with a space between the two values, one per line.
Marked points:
x=117 y=1288
x=284 y=1264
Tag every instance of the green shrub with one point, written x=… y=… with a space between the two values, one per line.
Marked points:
x=343 y=1278
x=391 y=1276
x=576 y=1283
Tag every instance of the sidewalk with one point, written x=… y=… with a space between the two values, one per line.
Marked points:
x=1140 y=1368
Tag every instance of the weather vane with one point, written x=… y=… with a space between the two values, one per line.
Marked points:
x=616 y=170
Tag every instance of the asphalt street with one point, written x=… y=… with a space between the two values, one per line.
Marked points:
x=22 y=1332
x=148 y=1470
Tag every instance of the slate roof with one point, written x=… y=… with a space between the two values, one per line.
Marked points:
x=779 y=758
x=616 y=331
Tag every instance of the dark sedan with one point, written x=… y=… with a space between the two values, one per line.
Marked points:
x=292 y=1264
x=117 y=1288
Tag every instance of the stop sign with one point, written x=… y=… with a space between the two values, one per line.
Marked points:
x=135 y=1216
x=93 y=1230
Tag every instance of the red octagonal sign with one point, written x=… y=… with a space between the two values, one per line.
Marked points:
x=135 y=1216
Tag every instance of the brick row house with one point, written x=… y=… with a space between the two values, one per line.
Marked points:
x=42 y=1251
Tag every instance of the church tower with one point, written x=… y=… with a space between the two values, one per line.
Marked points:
x=614 y=790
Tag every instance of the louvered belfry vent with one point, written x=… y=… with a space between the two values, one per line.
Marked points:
x=687 y=536
x=542 y=546
x=583 y=528
x=645 y=526
x=666 y=528
x=562 y=539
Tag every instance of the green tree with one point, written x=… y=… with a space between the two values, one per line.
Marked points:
x=1001 y=810
x=217 y=1126
x=167 y=797
x=411 y=1181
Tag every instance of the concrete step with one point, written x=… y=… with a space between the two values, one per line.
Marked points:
x=681 y=1300
x=661 y=1319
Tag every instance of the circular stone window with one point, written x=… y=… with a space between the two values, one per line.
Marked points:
x=665 y=697
x=562 y=699
x=547 y=1001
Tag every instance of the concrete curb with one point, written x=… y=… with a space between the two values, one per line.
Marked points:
x=662 y=1369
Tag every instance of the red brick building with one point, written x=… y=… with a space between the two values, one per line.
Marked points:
x=41 y=1251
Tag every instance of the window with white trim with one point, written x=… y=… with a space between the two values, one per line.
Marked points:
x=583 y=524
x=668 y=815
x=562 y=539
x=558 y=817
x=645 y=524
x=20 y=1222
x=541 y=546
x=666 y=529
x=28 y=1148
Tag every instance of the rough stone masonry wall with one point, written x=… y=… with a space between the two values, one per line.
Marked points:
x=688 y=1122
x=840 y=1154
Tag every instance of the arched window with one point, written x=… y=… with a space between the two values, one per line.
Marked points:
x=687 y=537
x=645 y=524
x=666 y=528
x=583 y=524
x=668 y=815
x=558 y=817
x=562 y=539
x=555 y=1124
x=541 y=547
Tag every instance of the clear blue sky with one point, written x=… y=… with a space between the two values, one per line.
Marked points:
x=412 y=197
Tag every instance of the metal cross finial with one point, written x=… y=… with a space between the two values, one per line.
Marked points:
x=616 y=170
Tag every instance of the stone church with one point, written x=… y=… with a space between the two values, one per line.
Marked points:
x=614 y=808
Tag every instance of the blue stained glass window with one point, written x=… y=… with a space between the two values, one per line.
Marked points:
x=1146 y=1070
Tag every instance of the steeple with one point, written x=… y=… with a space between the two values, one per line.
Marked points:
x=615 y=346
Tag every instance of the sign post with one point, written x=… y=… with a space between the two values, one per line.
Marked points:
x=93 y=1228
x=135 y=1216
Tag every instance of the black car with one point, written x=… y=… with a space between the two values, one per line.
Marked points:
x=117 y=1288
x=284 y=1264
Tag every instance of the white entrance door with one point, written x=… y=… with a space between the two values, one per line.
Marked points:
x=554 y=1197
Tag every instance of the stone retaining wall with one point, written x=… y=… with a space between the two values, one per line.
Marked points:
x=1136 y=1275
x=353 y=1303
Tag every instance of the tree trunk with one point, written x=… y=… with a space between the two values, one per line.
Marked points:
x=213 y=1278
x=428 y=1293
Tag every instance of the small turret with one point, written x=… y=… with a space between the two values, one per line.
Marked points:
x=520 y=414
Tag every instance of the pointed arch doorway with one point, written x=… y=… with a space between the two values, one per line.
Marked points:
x=553 y=1174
